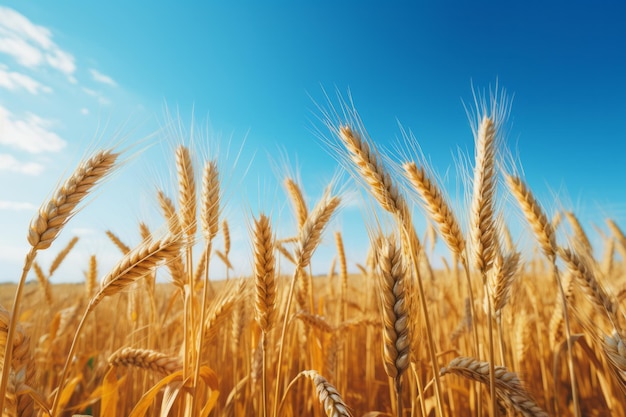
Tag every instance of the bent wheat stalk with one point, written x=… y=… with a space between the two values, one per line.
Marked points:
x=48 y=223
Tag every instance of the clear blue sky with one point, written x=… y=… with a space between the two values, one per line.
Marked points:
x=71 y=71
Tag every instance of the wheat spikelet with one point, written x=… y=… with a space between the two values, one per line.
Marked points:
x=373 y=172
x=327 y=394
x=61 y=256
x=53 y=215
x=543 y=229
x=264 y=264
x=209 y=214
x=396 y=337
x=145 y=359
x=297 y=201
x=509 y=389
x=136 y=264
x=437 y=207
x=483 y=227
x=186 y=191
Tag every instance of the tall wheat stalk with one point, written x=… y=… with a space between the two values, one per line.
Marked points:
x=48 y=223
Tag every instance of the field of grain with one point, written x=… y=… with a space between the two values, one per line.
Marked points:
x=496 y=331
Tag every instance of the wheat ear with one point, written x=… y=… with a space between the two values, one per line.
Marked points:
x=483 y=227
x=264 y=264
x=145 y=359
x=53 y=215
x=508 y=386
x=538 y=221
x=209 y=215
x=43 y=283
x=328 y=396
x=265 y=285
x=586 y=280
x=582 y=240
x=135 y=265
x=91 y=276
x=186 y=191
x=396 y=321
x=62 y=255
x=297 y=200
x=437 y=207
x=311 y=232
x=614 y=350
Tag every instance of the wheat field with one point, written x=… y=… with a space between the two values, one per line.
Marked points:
x=496 y=330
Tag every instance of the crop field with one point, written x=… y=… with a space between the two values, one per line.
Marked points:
x=492 y=329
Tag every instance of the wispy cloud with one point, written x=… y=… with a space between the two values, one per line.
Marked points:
x=101 y=99
x=31 y=134
x=31 y=45
x=17 y=206
x=11 y=164
x=13 y=81
x=101 y=78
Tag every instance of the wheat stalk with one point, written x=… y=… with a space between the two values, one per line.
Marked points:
x=50 y=220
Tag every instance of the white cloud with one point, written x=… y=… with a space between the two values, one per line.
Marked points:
x=31 y=134
x=12 y=80
x=9 y=163
x=101 y=99
x=17 y=206
x=101 y=78
x=31 y=45
x=84 y=111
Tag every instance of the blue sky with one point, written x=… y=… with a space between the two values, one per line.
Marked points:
x=73 y=74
